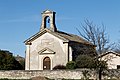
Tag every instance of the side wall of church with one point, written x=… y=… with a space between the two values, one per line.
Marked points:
x=55 y=44
x=80 y=49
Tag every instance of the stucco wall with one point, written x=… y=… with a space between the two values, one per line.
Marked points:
x=112 y=60
x=46 y=41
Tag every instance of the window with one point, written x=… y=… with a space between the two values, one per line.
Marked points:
x=118 y=66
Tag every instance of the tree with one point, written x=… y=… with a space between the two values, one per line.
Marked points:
x=98 y=37
x=85 y=61
x=95 y=35
x=59 y=67
x=8 y=62
x=71 y=65
x=21 y=60
x=83 y=49
x=117 y=47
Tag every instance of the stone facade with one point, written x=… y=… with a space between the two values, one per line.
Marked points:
x=50 y=47
x=59 y=74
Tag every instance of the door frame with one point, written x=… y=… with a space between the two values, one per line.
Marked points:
x=46 y=64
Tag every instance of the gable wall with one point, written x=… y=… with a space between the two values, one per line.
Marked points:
x=47 y=41
x=112 y=60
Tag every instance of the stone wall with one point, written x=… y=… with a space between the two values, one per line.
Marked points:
x=67 y=74
x=56 y=74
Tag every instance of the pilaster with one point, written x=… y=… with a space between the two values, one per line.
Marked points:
x=27 y=58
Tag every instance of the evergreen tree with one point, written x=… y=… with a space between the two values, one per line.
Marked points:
x=8 y=62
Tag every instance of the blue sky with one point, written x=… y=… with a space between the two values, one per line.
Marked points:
x=20 y=19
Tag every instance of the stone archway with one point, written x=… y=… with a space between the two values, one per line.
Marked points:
x=46 y=63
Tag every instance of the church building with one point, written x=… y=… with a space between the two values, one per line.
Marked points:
x=50 y=47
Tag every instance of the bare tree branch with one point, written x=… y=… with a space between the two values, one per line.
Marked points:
x=95 y=35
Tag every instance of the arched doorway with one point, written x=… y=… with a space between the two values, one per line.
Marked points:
x=46 y=63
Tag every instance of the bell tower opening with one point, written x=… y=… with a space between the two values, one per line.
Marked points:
x=48 y=20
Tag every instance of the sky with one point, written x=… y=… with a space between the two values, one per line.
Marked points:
x=20 y=19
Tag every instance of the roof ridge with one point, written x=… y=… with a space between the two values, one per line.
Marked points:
x=60 y=34
x=75 y=36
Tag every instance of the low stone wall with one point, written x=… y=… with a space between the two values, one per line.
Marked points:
x=57 y=74
x=54 y=74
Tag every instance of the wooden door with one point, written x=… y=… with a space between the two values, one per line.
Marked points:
x=46 y=63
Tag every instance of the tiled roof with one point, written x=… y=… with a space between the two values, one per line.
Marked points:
x=72 y=37
x=103 y=54
x=62 y=35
